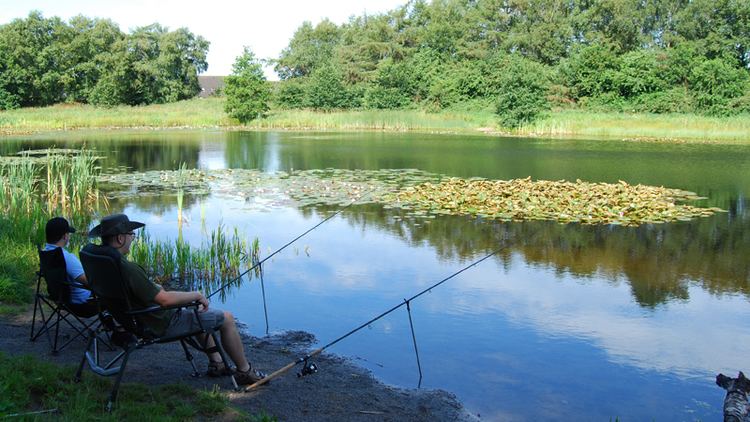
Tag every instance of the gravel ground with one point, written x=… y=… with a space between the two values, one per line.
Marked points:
x=339 y=391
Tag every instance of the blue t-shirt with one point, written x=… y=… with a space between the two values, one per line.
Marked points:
x=74 y=269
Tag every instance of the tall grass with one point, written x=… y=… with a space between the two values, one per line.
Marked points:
x=388 y=120
x=643 y=126
x=209 y=112
x=219 y=258
x=199 y=112
x=33 y=189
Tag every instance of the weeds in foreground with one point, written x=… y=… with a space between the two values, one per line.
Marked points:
x=33 y=389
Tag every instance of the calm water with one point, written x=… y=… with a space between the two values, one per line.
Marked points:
x=569 y=322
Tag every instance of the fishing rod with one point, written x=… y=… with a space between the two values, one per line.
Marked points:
x=259 y=263
x=310 y=368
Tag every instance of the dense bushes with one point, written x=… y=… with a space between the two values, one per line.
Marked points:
x=668 y=56
x=47 y=61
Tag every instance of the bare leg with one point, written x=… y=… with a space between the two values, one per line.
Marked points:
x=230 y=339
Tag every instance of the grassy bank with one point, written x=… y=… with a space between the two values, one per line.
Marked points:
x=208 y=112
x=668 y=127
x=36 y=390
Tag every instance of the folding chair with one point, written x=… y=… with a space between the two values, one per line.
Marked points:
x=57 y=299
x=104 y=274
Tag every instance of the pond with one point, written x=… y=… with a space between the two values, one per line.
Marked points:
x=566 y=322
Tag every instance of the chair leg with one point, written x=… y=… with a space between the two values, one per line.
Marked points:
x=224 y=358
x=80 y=332
x=83 y=359
x=57 y=332
x=33 y=318
x=116 y=387
x=189 y=357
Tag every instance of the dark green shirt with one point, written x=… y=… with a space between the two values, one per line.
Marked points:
x=144 y=291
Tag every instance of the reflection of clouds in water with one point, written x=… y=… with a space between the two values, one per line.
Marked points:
x=706 y=334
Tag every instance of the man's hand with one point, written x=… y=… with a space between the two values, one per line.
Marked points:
x=203 y=301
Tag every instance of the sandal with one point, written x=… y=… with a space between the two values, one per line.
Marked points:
x=218 y=369
x=249 y=377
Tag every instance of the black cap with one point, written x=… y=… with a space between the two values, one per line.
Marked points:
x=56 y=228
x=115 y=224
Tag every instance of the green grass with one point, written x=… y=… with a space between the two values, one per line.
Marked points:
x=643 y=126
x=32 y=385
x=198 y=112
x=209 y=112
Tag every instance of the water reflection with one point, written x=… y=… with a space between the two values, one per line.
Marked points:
x=659 y=261
x=591 y=322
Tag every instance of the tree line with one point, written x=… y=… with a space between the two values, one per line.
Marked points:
x=44 y=61
x=516 y=57
x=524 y=56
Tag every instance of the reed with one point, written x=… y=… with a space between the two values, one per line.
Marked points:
x=33 y=189
x=642 y=126
x=218 y=258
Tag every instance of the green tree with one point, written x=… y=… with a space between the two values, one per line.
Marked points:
x=308 y=49
x=326 y=89
x=246 y=88
x=524 y=85
x=716 y=83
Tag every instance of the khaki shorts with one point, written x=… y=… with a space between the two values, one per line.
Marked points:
x=184 y=322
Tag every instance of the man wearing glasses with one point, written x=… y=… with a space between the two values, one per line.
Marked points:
x=118 y=232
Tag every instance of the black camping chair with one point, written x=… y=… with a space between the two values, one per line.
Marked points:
x=104 y=273
x=52 y=268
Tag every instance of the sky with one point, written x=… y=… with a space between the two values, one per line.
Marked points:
x=264 y=26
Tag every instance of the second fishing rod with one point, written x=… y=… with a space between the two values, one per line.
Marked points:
x=259 y=263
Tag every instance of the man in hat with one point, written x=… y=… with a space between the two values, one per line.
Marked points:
x=57 y=233
x=117 y=232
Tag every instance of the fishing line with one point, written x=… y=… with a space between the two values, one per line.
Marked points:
x=259 y=263
x=305 y=359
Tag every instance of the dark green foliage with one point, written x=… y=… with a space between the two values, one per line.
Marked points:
x=309 y=48
x=675 y=100
x=394 y=87
x=523 y=86
x=246 y=89
x=326 y=89
x=716 y=83
x=590 y=71
x=605 y=54
x=290 y=93
x=641 y=72
x=47 y=61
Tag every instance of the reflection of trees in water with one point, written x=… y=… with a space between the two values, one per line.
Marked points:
x=659 y=261
x=141 y=151
x=155 y=204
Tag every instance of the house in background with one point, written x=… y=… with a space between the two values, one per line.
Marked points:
x=210 y=85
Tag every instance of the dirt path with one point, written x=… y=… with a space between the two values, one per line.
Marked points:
x=339 y=391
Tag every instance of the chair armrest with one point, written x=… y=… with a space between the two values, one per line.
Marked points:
x=155 y=308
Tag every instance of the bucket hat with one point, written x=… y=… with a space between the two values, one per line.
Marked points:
x=115 y=224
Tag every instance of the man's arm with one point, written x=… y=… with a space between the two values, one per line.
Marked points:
x=165 y=298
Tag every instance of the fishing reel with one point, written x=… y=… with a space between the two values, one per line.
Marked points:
x=308 y=368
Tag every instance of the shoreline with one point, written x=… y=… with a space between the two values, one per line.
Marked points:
x=340 y=390
x=208 y=114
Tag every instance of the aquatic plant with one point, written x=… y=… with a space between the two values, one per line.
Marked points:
x=185 y=267
x=427 y=194
x=37 y=185
x=562 y=201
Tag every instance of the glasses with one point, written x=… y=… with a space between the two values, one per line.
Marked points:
x=130 y=233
